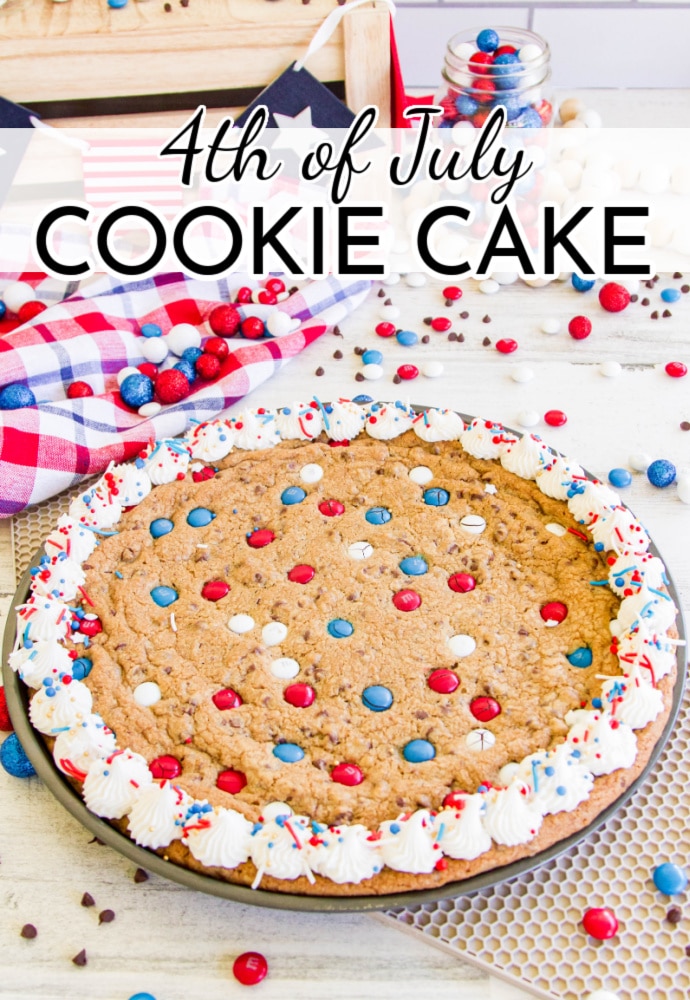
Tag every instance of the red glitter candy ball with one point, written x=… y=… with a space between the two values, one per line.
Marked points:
x=90 y=626
x=275 y=285
x=441 y=324
x=480 y=60
x=166 y=767
x=5 y=721
x=331 y=508
x=77 y=390
x=452 y=293
x=215 y=590
x=600 y=922
x=408 y=372
x=385 y=329
x=299 y=695
x=614 y=298
x=244 y=295
x=226 y=698
x=301 y=574
x=29 y=310
x=250 y=968
x=462 y=583
x=347 y=774
x=207 y=367
x=171 y=386
x=483 y=90
x=555 y=418
x=217 y=346
x=504 y=50
x=407 y=600
x=148 y=369
x=484 y=709
x=259 y=539
x=252 y=328
x=506 y=346
x=579 y=327
x=676 y=369
x=225 y=320
x=231 y=782
x=443 y=681
x=554 y=611
x=8 y=325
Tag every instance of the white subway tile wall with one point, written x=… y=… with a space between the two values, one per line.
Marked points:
x=613 y=43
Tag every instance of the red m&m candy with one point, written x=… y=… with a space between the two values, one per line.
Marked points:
x=443 y=681
x=555 y=418
x=225 y=320
x=484 y=709
x=148 y=369
x=275 y=285
x=408 y=372
x=243 y=295
x=676 y=369
x=600 y=922
x=407 y=600
x=613 y=297
x=455 y=799
x=554 y=611
x=78 y=390
x=250 y=968
x=331 y=508
x=299 y=695
x=301 y=573
x=231 y=781
x=347 y=774
x=462 y=583
x=215 y=590
x=90 y=626
x=579 y=327
x=441 y=324
x=385 y=329
x=260 y=538
x=452 y=293
x=507 y=345
x=225 y=699
x=166 y=767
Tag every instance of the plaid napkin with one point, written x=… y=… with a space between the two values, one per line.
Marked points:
x=49 y=447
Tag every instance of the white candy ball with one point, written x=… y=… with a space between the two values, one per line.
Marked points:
x=522 y=373
x=464 y=51
x=537 y=282
x=571 y=172
x=489 y=287
x=529 y=52
x=279 y=323
x=372 y=372
x=154 y=349
x=182 y=336
x=389 y=313
x=415 y=279
x=629 y=172
x=17 y=294
x=683 y=486
x=570 y=108
x=149 y=409
x=124 y=372
x=550 y=325
x=639 y=461
x=505 y=277
x=147 y=694
x=528 y=418
x=393 y=278
x=610 y=369
x=432 y=369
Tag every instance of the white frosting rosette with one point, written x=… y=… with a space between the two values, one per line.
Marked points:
x=113 y=783
x=556 y=477
x=388 y=420
x=71 y=538
x=96 y=508
x=438 y=425
x=647 y=651
x=343 y=853
x=408 y=843
x=218 y=838
x=604 y=743
x=278 y=844
x=254 y=430
x=618 y=530
x=558 y=779
x=299 y=422
x=512 y=817
x=343 y=420
x=632 y=700
x=76 y=749
x=484 y=439
x=629 y=571
x=210 y=442
x=60 y=578
x=590 y=500
x=43 y=619
x=460 y=829
x=132 y=482
x=166 y=461
x=59 y=706
x=38 y=661
x=158 y=814
x=526 y=457
x=653 y=608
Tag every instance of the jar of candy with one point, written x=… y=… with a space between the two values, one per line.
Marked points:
x=508 y=67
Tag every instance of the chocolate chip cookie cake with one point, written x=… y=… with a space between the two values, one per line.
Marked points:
x=348 y=648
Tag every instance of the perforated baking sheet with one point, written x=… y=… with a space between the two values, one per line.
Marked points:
x=527 y=930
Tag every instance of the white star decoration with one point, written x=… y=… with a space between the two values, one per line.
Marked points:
x=298 y=133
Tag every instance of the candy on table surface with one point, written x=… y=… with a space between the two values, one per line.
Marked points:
x=432 y=369
x=670 y=879
x=670 y=294
x=372 y=357
x=385 y=329
x=676 y=369
x=252 y=328
x=279 y=324
x=224 y=320
x=579 y=327
x=683 y=484
x=171 y=386
x=17 y=294
x=181 y=336
x=441 y=324
x=582 y=284
x=155 y=350
x=614 y=297
x=452 y=293
x=13 y=758
x=408 y=372
x=610 y=369
x=136 y=390
x=661 y=473
x=489 y=286
x=16 y=396
x=151 y=330
x=639 y=461
x=550 y=325
x=600 y=922
x=506 y=345
x=79 y=390
x=555 y=418
x=620 y=478
x=415 y=279
x=250 y=968
x=372 y=372
x=406 y=338
x=389 y=313
x=528 y=418
x=570 y=109
x=522 y=373
x=142 y=996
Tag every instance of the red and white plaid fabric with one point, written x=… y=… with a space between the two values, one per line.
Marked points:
x=49 y=447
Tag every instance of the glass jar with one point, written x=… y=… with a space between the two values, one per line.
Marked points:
x=491 y=67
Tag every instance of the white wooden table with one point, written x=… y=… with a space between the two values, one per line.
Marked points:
x=179 y=945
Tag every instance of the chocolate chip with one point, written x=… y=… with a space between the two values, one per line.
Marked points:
x=461 y=338
x=634 y=298
x=359 y=351
x=388 y=302
x=452 y=336
x=29 y=932
x=184 y=3
x=106 y=916
x=654 y=315
x=359 y=377
x=449 y=302
x=644 y=302
x=291 y=291
x=167 y=7
x=396 y=378
x=464 y=314
x=88 y=900
x=666 y=313
x=486 y=319
x=486 y=342
x=97 y=840
x=426 y=339
x=685 y=289
x=685 y=425
x=337 y=355
x=677 y=275
x=649 y=284
x=381 y=293
x=674 y=915
x=319 y=372
x=427 y=320
x=80 y=959
x=336 y=331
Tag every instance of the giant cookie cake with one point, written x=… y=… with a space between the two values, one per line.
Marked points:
x=348 y=649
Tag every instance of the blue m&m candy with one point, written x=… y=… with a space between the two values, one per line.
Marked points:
x=137 y=390
x=436 y=497
x=414 y=566
x=292 y=495
x=81 y=668
x=340 y=628
x=670 y=879
x=581 y=284
x=661 y=473
x=13 y=758
x=151 y=330
x=16 y=397
x=581 y=657
x=289 y=753
x=161 y=526
x=407 y=338
x=670 y=294
x=164 y=596
x=620 y=478
x=372 y=358
x=377 y=698
x=361 y=399
x=142 y=996
x=200 y=517
x=487 y=40
x=417 y=751
x=378 y=515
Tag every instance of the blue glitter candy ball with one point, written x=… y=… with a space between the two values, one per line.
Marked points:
x=661 y=473
x=187 y=369
x=16 y=397
x=581 y=284
x=191 y=354
x=466 y=105
x=13 y=758
x=137 y=390
x=487 y=40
